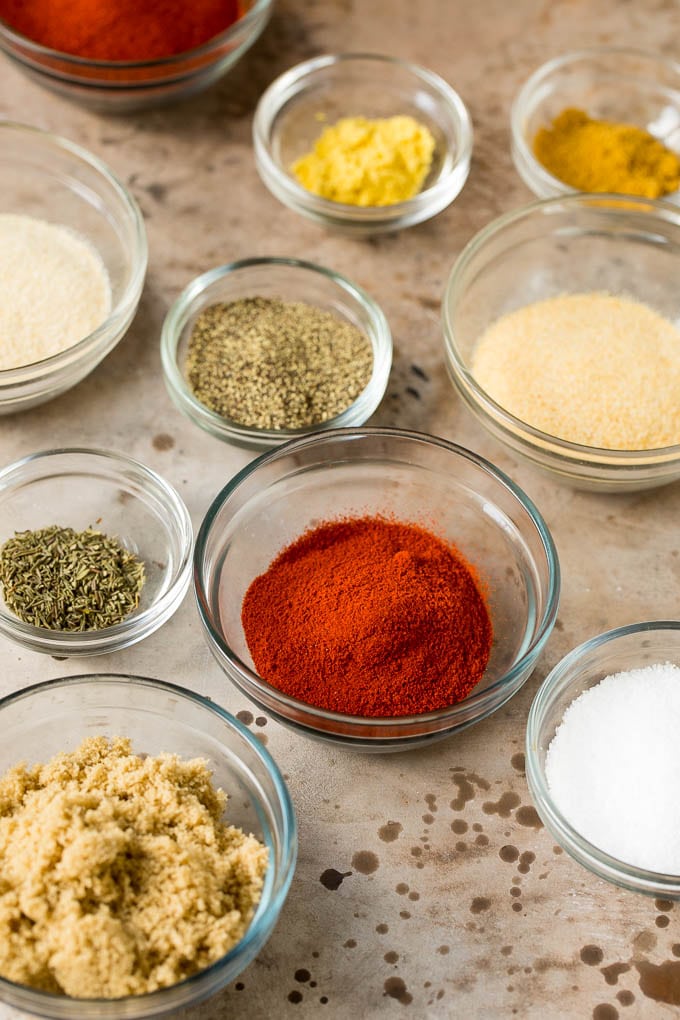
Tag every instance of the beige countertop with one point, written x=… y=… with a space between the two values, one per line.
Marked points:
x=455 y=902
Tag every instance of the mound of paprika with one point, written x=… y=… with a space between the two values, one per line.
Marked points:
x=370 y=617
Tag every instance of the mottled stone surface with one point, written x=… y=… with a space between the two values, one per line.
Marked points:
x=425 y=886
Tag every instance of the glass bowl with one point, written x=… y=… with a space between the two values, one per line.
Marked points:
x=119 y=86
x=47 y=177
x=416 y=478
x=609 y=83
x=573 y=244
x=290 y=280
x=632 y=647
x=81 y=488
x=43 y=720
x=293 y=110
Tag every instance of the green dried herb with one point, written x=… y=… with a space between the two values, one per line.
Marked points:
x=69 y=580
x=275 y=364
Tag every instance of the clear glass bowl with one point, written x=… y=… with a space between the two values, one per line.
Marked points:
x=81 y=488
x=48 y=718
x=416 y=478
x=47 y=177
x=610 y=83
x=290 y=280
x=288 y=121
x=574 y=244
x=120 y=86
x=632 y=647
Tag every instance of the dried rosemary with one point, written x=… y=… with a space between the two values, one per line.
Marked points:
x=69 y=580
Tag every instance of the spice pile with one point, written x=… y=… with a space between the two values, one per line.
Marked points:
x=598 y=155
x=369 y=617
x=118 y=875
x=368 y=162
x=274 y=364
x=68 y=580
x=594 y=369
x=613 y=766
x=54 y=289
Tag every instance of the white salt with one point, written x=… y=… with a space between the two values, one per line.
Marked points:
x=613 y=767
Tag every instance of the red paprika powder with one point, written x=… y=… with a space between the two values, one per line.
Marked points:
x=370 y=617
x=132 y=30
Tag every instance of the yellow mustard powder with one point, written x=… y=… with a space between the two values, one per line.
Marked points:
x=365 y=162
x=118 y=875
x=592 y=368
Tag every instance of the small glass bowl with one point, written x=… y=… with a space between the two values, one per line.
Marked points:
x=47 y=177
x=574 y=244
x=48 y=718
x=632 y=647
x=413 y=477
x=81 y=488
x=290 y=280
x=609 y=83
x=294 y=109
x=120 y=86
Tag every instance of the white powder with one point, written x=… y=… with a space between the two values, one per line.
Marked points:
x=613 y=767
x=54 y=289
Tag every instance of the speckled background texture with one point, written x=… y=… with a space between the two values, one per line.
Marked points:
x=426 y=886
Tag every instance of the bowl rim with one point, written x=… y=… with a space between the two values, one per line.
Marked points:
x=289 y=704
x=37 y=50
x=598 y=861
x=283 y=88
x=123 y=309
x=228 y=430
x=464 y=379
x=119 y=634
x=537 y=79
x=263 y=913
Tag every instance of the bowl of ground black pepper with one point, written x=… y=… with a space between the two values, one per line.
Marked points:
x=95 y=551
x=265 y=350
x=374 y=588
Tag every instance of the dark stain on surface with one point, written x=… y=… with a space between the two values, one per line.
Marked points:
x=518 y=762
x=459 y=826
x=526 y=859
x=332 y=879
x=261 y=721
x=664 y=905
x=162 y=442
x=428 y=819
x=466 y=788
x=404 y=915
x=295 y=997
x=662 y=921
x=517 y=906
x=390 y=831
x=391 y=957
x=245 y=717
x=612 y=973
x=605 y=1011
x=396 y=989
x=675 y=949
x=481 y=840
x=350 y=944
x=508 y=853
x=503 y=807
x=414 y=896
x=157 y=191
x=625 y=997
x=662 y=982
x=365 y=862
x=413 y=392
x=401 y=888
x=421 y=373
x=480 y=904
x=506 y=950
x=592 y=956
x=444 y=950
x=302 y=975
x=382 y=929
x=528 y=817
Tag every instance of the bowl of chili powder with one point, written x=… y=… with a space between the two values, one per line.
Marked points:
x=375 y=588
x=123 y=55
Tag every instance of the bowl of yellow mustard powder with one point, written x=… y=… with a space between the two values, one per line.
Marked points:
x=147 y=843
x=362 y=143
x=605 y=119
x=561 y=329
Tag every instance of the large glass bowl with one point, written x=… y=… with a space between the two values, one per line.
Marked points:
x=41 y=721
x=318 y=92
x=415 y=478
x=632 y=647
x=134 y=85
x=609 y=83
x=575 y=244
x=105 y=490
x=47 y=177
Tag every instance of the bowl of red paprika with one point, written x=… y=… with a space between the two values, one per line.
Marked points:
x=123 y=55
x=375 y=588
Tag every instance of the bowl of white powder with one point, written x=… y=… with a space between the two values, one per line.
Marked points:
x=603 y=756
x=73 y=258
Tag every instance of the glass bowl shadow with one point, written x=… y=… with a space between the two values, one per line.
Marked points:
x=623 y=649
x=574 y=244
x=289 y=280
x=49 y=718
x=413 y=478
x=609 y=83
x=50 y=178
x=126 y=86
x=294 y=109
x=105 y=490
